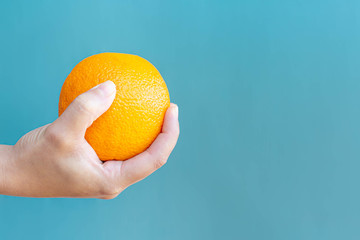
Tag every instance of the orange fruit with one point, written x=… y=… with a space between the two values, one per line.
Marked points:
x=136 y=116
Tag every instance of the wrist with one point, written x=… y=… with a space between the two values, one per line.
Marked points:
x=6 y=159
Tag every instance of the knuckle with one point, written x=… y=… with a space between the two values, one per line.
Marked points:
x=108 y=197
x=177 y=132
x=84 y=105
x=108 y=190
x=56 y=137
x=160 y=161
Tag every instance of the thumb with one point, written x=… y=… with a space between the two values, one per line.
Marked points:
x=85 y=109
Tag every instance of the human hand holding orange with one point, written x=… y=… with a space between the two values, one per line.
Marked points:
x=56 y=161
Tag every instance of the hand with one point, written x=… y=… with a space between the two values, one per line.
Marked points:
x=56 y=161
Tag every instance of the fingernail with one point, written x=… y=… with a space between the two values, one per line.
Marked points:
x=175 y=109
x=107 y=88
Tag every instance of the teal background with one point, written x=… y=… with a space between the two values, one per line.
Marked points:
x=269 y=109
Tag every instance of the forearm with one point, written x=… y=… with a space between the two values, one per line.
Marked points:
x=6 y=157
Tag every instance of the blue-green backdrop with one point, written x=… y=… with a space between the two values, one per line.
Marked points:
x=269 y=95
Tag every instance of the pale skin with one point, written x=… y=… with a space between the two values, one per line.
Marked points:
x=56 y=161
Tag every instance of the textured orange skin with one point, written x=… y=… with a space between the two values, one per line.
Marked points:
x=136 y=116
